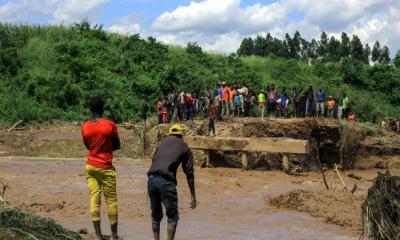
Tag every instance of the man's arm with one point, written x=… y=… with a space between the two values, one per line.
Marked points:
x=116 y=143
x=86 y=144
x=190 y=180
x=83 y=138
x=188 y=169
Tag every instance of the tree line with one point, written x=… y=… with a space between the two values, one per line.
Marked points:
x=325 y=49
x=49 y=72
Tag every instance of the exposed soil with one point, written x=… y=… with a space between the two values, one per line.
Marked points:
x=233 y=203
x=338 y=207
x=327 y=131
x=65 y=141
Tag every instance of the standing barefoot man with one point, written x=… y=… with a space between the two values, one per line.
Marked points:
x=100 y=137
x=161 y=185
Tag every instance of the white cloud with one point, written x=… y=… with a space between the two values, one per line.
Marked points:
x=336 y=14
x=127 y=25
x=217 y=25
x=221 y=16
x=209 y=15
x=220 y=25
x=61 y=11
x=23 y=11
x=70 y=11
x=227 y=43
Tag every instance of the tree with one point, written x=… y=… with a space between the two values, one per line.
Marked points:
x=376 y=52
x=367 y=54
x=284 y=51
x=295 y=45
x=344 y=49
x=357 y=51
x=259 y=46
x=350 y=70
x=396 y=60
x=312 y=49
x=277 y=48
x=333 y=49
x=269 y=45
x=305 y=45
x=246 y=47
x=385 y=55
x=194 y=48
x=323 y=47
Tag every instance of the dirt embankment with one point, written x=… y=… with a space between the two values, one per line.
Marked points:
x=337 y=207
x=359 y=146
x=327 y=131
x=64 y=140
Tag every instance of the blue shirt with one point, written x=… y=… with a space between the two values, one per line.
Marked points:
x=237 y=100
x=320 y=96
x=220 y=91
x=283 y=100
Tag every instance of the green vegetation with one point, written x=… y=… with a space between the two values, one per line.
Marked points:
x=18 y=224
x=49 y=72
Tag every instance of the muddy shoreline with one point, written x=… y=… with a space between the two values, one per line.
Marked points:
x=233 y=203
x=44 y=167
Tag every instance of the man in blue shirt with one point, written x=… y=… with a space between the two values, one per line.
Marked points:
x=320 y=102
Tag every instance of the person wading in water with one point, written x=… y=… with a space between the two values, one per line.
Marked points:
x=100 y=137
x=161 y=185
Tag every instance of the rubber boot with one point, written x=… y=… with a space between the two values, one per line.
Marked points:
x=156 y=230
x=171 y=229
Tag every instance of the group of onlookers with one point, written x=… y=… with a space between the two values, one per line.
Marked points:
x=239 y=101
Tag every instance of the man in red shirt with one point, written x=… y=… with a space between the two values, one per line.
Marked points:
x=351 y=117
x=225 y=99
x=100 y=137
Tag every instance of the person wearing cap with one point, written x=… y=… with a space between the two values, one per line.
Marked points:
x=161 y=186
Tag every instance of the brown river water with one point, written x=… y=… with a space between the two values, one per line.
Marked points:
x=233 y=203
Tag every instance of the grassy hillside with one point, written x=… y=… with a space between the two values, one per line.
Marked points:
x=49 y=72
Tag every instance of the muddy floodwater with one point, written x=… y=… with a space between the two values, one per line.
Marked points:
x=233 y=203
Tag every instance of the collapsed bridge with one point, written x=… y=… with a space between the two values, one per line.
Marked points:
x=245 y=145
x=259 y=144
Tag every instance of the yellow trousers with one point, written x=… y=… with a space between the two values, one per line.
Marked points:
x=99 y=180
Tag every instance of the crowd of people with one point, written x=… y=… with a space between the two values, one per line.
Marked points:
x=239 y=101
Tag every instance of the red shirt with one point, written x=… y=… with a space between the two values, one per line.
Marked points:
x=212 y=112
x=225 y=94
x=351 y=118
x=97 y=136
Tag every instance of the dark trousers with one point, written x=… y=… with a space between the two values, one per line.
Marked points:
x=163 y=191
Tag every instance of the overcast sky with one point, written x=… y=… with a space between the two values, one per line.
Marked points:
x=219 y=25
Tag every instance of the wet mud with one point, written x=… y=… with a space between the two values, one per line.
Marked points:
x=234 y=204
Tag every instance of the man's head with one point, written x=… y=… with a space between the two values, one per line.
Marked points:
x=176 y=130
x=96 y=105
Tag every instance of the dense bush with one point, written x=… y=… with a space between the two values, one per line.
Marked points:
x=49 y=72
